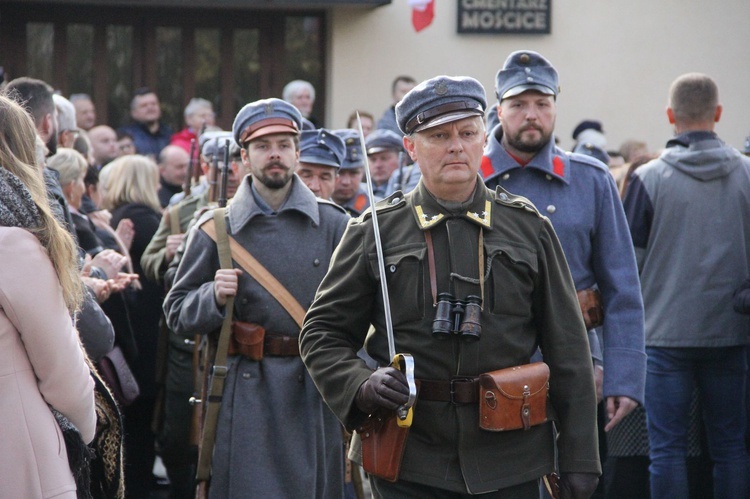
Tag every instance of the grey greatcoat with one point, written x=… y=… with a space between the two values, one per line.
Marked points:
x=275 y=435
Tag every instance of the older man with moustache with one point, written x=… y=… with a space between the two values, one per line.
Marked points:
x=455 y=239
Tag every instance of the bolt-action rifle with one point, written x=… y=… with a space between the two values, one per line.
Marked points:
x=209 y=347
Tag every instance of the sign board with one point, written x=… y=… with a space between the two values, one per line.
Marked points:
x=504 y=16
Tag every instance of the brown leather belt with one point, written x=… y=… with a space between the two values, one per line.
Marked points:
x=281 y=346
x=457 y=390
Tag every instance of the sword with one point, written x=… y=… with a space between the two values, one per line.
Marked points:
x=402 y=361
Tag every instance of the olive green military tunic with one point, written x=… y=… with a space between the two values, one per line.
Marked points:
x=528 y=300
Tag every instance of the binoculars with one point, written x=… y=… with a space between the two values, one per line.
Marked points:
x=457 y=317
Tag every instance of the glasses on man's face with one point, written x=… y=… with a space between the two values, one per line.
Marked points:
x=74 y=133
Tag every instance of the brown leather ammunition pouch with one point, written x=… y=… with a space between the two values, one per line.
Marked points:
x=514 y=398
x=590 y=301
x=247 y=340
x=383 y=443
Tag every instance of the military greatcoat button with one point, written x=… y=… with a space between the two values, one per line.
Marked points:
x=245 y=375
x=503 y=196
x=392 y=268
x=551 y=208
x=506 y=176
x=243 y=301
x=316 y=262
x=548 y=176
x=395 y=200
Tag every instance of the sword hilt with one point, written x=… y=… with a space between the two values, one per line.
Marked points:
x=404 y=362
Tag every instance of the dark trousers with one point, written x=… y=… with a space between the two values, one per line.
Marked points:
x=175 y=449
x=139 y=448
x=407 y=490
x=180 y=457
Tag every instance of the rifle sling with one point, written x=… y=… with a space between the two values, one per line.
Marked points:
x=174 y=220
x=219 y=369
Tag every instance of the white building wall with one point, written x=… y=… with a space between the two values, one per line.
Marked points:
x=616 y=60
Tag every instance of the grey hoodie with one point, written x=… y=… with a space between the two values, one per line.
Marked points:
x=689 y=215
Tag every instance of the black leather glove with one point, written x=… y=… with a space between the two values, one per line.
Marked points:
x=387 y=387
x=578 y=485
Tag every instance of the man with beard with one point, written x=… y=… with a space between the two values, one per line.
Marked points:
x=173 y=437
x=272 y=418
x=579 y=196
x=149 y=133
x=36 y=96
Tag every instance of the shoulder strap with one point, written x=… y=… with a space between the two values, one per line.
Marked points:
x=253 y=267
x=219 y=369
x=174 y=219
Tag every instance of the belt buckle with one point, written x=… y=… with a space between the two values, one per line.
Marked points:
x=458 y=379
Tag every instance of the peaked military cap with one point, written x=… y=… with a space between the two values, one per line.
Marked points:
x=440 y=100
x=587 y=125
x=354 y=157
x=264 y=117
x=211 y=141
x=594 y=151
x=383 y=140
x=526 y=70
x=321 y=147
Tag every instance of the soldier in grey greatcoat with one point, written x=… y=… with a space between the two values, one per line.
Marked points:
x=275 y=435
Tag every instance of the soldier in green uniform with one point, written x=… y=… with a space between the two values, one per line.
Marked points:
x=174 y=414
x=453 y=239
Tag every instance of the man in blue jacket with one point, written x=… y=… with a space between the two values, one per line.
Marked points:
x=149 y=132
x=579 y=196
x=689 y=214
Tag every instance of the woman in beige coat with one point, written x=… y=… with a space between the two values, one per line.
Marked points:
x=41 y=360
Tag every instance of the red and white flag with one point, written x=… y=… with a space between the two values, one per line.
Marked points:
x=422 y=13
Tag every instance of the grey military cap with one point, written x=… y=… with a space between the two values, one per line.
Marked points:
x=592 y=150
x=264 y=117
x=440 y=100
x=383 y=139
x=211 y=141
x=526 y=70
x=321 y=147
x=354 y=157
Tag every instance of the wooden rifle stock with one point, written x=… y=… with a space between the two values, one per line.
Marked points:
x=204 y=355
x=199 y=389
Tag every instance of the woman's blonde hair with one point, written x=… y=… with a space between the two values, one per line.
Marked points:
x=17 y=155
x=69 y=163
x=131 y=179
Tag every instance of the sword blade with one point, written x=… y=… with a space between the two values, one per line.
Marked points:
x=378 y=247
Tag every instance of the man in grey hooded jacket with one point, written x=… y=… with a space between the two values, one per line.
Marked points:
x=689 y=215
